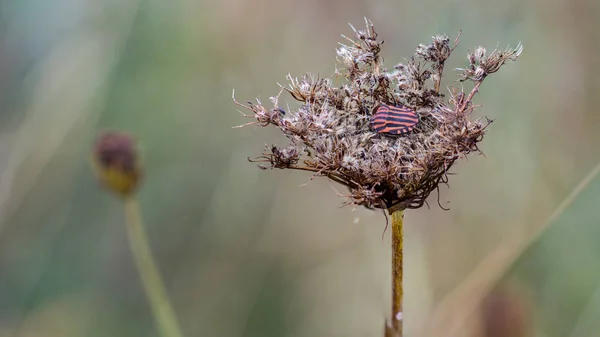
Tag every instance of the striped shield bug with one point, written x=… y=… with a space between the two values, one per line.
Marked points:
x=394 y=120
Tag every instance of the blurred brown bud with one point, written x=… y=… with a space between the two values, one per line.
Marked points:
x=117 y=164
x=506 y=313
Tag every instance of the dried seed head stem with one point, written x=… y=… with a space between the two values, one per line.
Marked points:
x=397 y=270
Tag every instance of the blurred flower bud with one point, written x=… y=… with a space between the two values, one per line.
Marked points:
x=507 y=313
x=117 y=164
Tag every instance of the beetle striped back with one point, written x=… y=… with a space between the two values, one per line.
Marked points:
x=394 y=120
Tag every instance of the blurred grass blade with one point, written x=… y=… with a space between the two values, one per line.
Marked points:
x=589 y=316
x=454 y=311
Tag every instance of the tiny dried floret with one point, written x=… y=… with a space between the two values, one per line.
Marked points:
x=438 y=51
x=331 y=131
x=482 y=65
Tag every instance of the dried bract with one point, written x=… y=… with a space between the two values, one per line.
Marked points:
x=330 y=130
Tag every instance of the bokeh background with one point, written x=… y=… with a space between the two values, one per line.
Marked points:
x=246 y=252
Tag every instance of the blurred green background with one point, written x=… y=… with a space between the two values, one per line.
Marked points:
x=246 y=252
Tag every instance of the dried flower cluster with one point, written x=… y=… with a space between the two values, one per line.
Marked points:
x=331 y=135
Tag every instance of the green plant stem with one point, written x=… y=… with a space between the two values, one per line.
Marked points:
x=150 y=277
x=395 y=328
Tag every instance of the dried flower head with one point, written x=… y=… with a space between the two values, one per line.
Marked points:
x=115 y=158
x=331 y=131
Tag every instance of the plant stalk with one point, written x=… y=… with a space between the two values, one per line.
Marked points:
x=150 y=277
x=395 y=328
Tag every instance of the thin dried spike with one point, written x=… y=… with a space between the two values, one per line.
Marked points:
x=289 y=77
x=237 y=103
x=356 y=44
x=369 y=24
x=519 y=49
x=372 y=34
x=338 y=193
x=275 y=100
x=354 y=29
x=456 y=40
x=318 y=173
x=349 y=198
x=243 y=114
x=245 y=125
x=387 y=221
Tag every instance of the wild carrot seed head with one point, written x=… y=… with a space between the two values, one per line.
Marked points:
x=330 y=131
